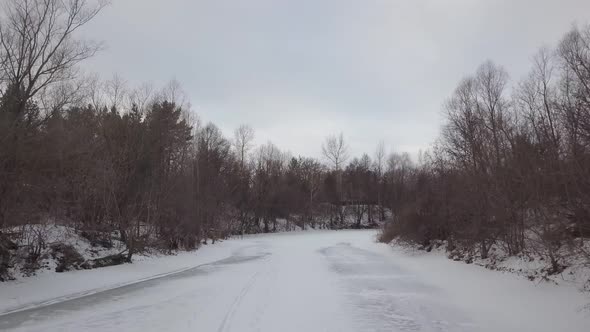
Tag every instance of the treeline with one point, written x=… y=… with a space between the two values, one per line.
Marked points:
x=512 y=165
x=105 y=158
x=152 y=173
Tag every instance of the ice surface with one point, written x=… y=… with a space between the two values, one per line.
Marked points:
x=305 y=281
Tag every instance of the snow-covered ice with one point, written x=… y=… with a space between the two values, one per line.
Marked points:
x=304 y=281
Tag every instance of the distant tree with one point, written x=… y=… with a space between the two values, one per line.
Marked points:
x=243 y=138
x=335 y=150
x=379 y=163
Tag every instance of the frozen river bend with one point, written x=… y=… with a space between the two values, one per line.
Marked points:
x=308 y=281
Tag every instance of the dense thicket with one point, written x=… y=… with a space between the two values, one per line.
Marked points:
x=512 y=165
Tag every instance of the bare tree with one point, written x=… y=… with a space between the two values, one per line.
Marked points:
x=574 y=51
x=379 y=158
x=37 y=43
x=64 y=94
x=379 y=161
x=491 y=81
x=243 y=137
x=312 y=176
x=335 y=150
x=174 y=93
x=96 y=94
x=117 y=92
x=535 y=98
x=141 y=96
x=38 y=52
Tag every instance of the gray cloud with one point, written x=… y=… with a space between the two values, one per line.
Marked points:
x=299 y=70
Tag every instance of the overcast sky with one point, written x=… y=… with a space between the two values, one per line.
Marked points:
x=298 y=70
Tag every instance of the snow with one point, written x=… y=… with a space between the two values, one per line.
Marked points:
x=501 y=301
x=49 y=287
x=300 y=281
x=529 y=264
x=44 y=235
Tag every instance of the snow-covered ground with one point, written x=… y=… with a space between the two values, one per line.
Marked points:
x=305 y=281
x=42 y=237
x=47 y=287
x=529 y=264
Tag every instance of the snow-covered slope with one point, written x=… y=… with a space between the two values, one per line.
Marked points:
x=48 y=287
x=529 y=265
x=45 y=242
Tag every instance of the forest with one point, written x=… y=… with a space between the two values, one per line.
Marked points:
x=511 y=166
x=105 y=158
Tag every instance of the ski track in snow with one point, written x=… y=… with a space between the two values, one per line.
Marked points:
x=310 y=281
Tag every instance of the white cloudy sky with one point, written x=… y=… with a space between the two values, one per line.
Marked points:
x=298 y=70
